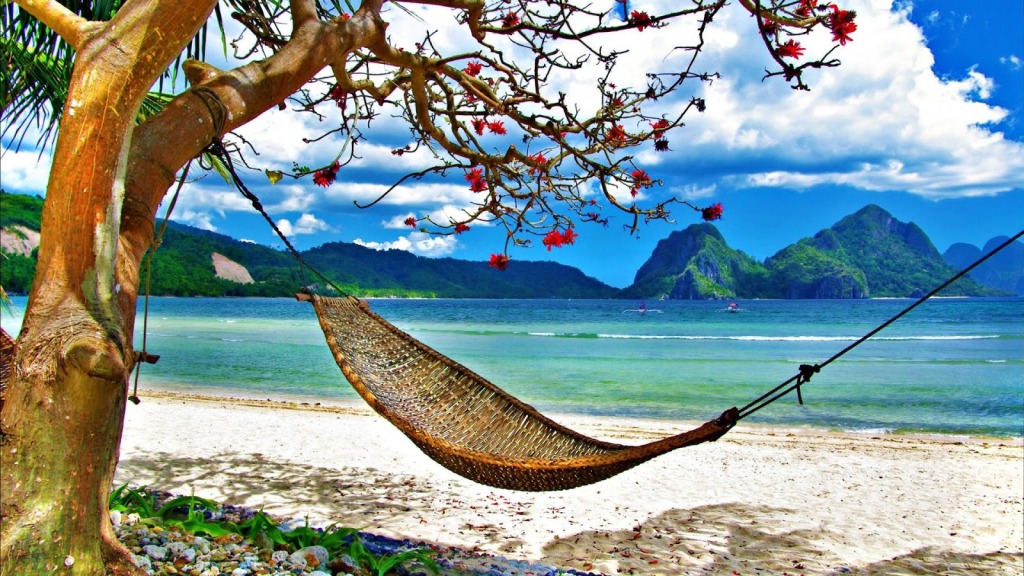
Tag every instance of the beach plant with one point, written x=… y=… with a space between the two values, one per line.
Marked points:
x=194 y=514
x=382 y=565
x=487 y=107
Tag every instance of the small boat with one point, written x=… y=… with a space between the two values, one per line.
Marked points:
x=732 y=307
x=642 y=309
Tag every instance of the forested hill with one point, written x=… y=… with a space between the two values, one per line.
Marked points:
x=184 y=265
x=866 y=254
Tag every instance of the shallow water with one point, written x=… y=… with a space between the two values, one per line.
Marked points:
x=950 y=366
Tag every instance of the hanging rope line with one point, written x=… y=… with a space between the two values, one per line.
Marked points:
x=143 y=356
x=806 y=371
x=217 y=149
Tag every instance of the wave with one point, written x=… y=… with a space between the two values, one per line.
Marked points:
x=751 y=338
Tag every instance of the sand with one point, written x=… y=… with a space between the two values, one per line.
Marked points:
x=758 y=501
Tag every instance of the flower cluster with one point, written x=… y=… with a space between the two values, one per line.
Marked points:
x=842 y=24
x=477 y=182
x=473 y=68
x=510 y=20
x=461 y=227
x=499 y=261
x=556 y=239
x=791 y=49
x=539 y=159
x=641 y=20
x=338 y=95
x=410 y=221
x=495 y=126
x=326 y=176
x=713 y=212
x=658 y=130
x=640 y=180
x=617 y=135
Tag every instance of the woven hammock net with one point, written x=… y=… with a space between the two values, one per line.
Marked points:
x=466 y=423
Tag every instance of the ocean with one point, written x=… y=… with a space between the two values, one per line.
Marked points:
x=952 y=366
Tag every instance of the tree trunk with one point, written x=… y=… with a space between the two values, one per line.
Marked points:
x=63 y=414
x=61 y=421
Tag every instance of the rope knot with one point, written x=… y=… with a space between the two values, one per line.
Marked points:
x=806 y=371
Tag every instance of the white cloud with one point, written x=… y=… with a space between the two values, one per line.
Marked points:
x=1013 y=61
x=404 y=195
x=877 y=122
x=25 y=171
x=306 y=224
x=418 y=243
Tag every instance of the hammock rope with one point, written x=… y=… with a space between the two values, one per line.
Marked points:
x=806 y=371
x=476 y=429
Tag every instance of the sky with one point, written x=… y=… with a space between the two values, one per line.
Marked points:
x=925 y=118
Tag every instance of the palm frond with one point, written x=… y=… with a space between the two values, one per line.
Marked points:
x=36 y=64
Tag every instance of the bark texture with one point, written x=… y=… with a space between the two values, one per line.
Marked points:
x=64 y=408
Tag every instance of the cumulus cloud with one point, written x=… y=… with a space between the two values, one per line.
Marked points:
x=25 y=170
x=877 y=122
x=417 y=243
x=306 y=224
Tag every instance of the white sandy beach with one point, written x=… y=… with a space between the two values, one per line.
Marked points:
x=757 y=501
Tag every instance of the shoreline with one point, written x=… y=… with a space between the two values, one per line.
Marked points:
x=806 y=501
x=662 y=426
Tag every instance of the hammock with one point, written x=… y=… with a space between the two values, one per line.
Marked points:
x=467 y=424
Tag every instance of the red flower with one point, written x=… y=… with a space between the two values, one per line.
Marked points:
x=713 y=212
x=509 y=20
x=476 y=180
x=556 y=239
x=461 y=227
x=497 y=127
x=842 y=24
x=499 y=261
x=338 y=95
x=640 y=19
x=478 y=125
x=473 y=68
x=617 y=135
x=791 y=49
x=410 y=221
x=659 y=128
x=641 y=177
x=539 y=159
x=805 y=9
x=553 y=239
x=326 y=176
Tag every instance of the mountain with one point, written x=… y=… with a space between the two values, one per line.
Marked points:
x=868 y=253
x=1003 y=271
x=695 y=263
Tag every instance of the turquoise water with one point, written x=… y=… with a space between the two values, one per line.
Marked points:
x=951 y=366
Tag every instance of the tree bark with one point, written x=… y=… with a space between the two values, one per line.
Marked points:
x=62 y=419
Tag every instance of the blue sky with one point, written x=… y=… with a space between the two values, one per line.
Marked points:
x=925 y=118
